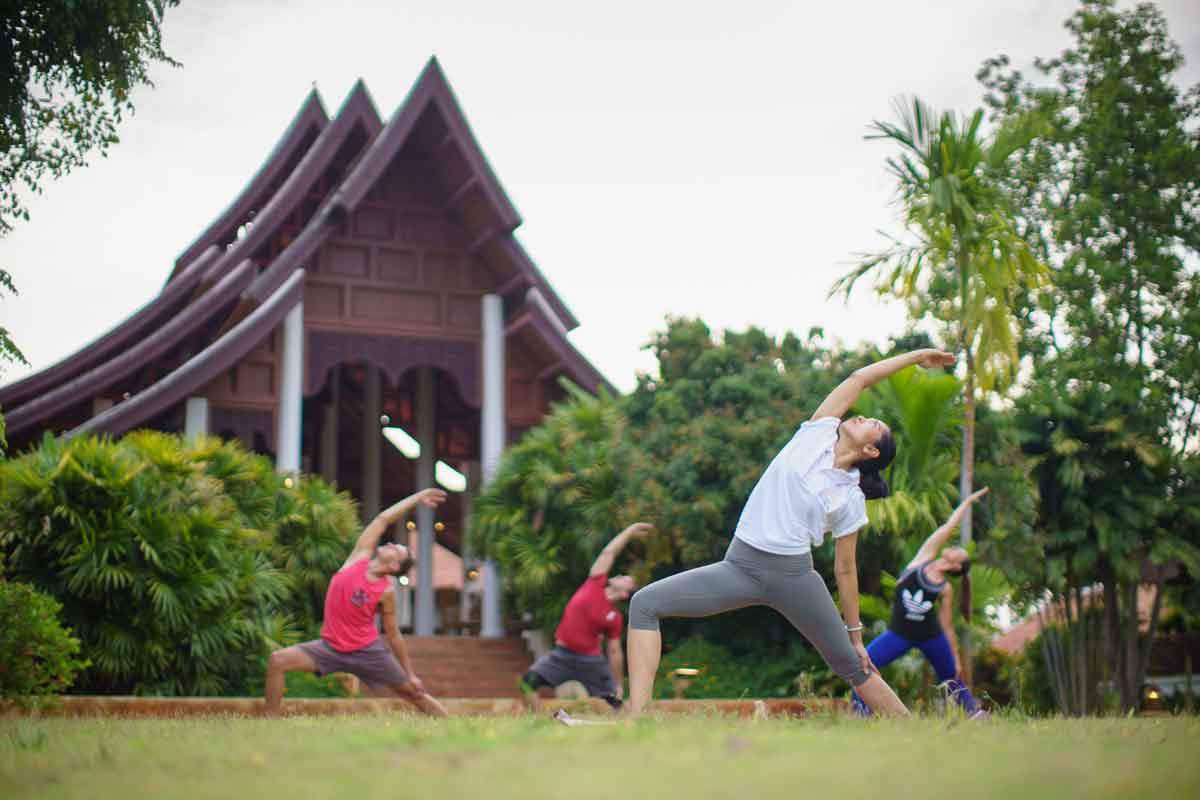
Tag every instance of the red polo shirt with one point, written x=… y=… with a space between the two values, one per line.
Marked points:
x=588 y=615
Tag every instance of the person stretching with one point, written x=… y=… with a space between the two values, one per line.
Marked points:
x=818 y=483
x=349 y=640
x=919 y=587
x=589 y=615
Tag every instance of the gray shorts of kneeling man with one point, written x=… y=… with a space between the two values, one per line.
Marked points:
x=590 y=616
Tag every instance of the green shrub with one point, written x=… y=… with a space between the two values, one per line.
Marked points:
x=796 y=670
x=314 y=530
x=169 y=557
x=37 y=655
x=301 y=684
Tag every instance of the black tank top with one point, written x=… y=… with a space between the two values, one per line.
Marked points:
x=914 y=609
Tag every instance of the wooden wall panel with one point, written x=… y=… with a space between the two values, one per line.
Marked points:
x=373 y=223
x=389 y=305
x=251 y=383
x=464 y=312
x=442 y=270
x=346 y=260
x=322 y=300
x=399 y=266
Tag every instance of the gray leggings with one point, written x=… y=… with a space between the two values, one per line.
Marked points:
x=752 y=577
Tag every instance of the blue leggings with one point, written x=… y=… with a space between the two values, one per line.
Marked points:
x=890 y=645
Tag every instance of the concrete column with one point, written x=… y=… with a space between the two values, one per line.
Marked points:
x=291 y=392
x=426 y=619
x=195 y=418
x=372 y=442
x=329 y=430
x=492 y=437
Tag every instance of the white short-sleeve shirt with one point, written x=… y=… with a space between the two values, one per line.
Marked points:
x=802 y=496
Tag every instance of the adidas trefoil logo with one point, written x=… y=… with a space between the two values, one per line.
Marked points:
x=915 y=605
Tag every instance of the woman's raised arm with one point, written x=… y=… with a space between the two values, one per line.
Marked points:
x=841 y=399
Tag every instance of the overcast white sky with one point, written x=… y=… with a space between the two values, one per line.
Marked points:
x=668 y=157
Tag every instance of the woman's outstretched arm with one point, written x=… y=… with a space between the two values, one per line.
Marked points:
x=946 y=618
x=938 y=538
x=846 y=394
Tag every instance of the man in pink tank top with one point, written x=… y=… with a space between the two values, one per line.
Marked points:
x=349 y=640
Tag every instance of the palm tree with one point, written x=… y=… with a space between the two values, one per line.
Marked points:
x=968 y=262
x=920 y=405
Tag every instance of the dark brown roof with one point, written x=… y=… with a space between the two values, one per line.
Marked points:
x=201 y=368
x=216 y=293
x=156 y=343
x=136 y=325
x=299 y=137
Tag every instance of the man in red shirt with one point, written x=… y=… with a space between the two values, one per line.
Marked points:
x=589 y=615
x=349 y=640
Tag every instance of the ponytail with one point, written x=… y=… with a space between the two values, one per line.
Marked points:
x=870 y=470
x=873 y=485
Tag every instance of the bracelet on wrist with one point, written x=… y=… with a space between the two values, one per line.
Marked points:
x=853 y=628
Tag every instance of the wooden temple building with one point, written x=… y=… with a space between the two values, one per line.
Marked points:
x=366 y=278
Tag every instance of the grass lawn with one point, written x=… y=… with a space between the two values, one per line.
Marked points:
x=674 y=756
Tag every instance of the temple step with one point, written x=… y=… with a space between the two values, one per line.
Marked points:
x=466 y=666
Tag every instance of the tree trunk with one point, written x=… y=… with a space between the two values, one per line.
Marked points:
x=1131 y=692
x=1114 y=654
x=967 y=473
x=1053 y=656
x=966 y=478
x=966 y=484
x=1097 y=662
x=1068 y=650
x=1081 y=653
x=1148 y=643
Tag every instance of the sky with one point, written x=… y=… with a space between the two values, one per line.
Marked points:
x=668 y=158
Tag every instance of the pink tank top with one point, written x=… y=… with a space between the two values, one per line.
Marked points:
x=350 y=607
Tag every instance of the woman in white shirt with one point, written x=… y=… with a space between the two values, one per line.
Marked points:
x=819 y=483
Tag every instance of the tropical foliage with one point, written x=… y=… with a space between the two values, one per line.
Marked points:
x=968 y=262
x=69 y=70
x=1110 y=193
x=38 y=655
x=684 y=450
x=921 y=408
x=169 y=558
x=548 y=511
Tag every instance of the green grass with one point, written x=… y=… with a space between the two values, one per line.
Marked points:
x=691 y=757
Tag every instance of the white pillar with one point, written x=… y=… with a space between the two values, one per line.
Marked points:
x=372 y=441
x=329 y=431
x=426 y=608
x=291 y=392
x=195 y=418
x=492 y=442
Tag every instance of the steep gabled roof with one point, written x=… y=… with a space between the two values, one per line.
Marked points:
x=133 y=358
x=202 y=368
x=536 y=319
x=136 y=326
x=296 y=140
x=218 y=295
x=358 y=110
x=432 y=92
x=223 y=278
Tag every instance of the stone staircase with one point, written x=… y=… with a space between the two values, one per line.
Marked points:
x=467 y=666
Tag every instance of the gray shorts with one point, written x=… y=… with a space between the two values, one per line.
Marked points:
x=375 y=664
x=751 y=577
x=561 y=665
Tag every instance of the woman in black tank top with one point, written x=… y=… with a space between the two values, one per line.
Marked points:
x=922 y=610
